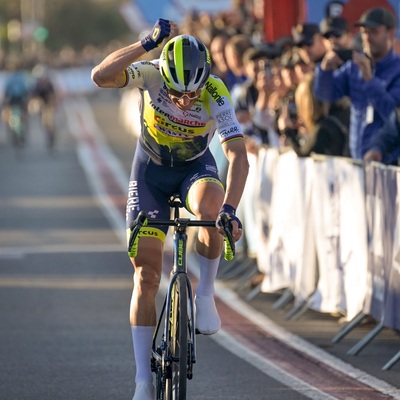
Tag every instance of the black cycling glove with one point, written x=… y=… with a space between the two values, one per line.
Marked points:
x=161 y=30
x=230 y=212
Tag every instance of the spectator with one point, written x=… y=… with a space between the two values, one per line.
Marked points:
x=220 y=66
x=234 y=51
x=293 y=67
x=251 y=102
x=336 y=36
x=335 y=31
x=386 y=139
x=308 y=39
x=314 y=130
x=371 y=80
x=292 y=70
x=313 y=46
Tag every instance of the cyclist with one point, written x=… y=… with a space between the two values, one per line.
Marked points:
x=181 y=106
x=16 y=94
x=44 y=93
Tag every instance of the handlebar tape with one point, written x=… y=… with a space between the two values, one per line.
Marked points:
x=140 y=221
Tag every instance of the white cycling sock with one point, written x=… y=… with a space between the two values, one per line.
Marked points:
x=208 y=273
x=142 y=337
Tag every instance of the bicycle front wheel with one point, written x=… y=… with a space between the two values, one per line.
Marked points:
x=178 y=340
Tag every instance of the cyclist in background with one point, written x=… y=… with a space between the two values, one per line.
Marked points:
x=16 y=97
x=45 y=94
x=181 y=107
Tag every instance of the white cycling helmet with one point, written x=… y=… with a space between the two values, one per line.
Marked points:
x=185 y=63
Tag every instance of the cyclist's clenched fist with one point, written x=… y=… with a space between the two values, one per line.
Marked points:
x=161 y=30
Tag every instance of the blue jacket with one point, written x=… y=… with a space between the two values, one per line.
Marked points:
x=381 y=94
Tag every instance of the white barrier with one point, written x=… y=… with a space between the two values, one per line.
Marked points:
x=329 y=231
x=338 y=217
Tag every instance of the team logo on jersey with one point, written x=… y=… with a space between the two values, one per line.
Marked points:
x=187 y=134
x=214 y=93
x=133 y=197
x=229 y=132
x=153 y=214
x=193 y=114
x=225 y=117
x=211 y=168
x=131 y=71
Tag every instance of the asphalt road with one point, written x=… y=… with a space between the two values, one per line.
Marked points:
x=65 y=284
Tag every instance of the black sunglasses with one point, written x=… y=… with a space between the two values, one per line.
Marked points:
x=335 y=35
x=306 y=43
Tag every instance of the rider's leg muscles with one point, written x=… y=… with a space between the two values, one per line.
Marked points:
x=205 y=200
x=146 y=280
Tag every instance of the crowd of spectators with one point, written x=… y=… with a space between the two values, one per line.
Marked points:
x=323 y=89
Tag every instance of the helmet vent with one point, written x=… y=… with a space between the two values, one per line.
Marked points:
x=187 y=76
x=199 y=74
x=173 y=75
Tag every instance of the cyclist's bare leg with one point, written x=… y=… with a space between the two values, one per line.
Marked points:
x=147 y=265
x=146 y=280
x=205 y=200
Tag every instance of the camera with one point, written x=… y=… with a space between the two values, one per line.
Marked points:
x=345 y=54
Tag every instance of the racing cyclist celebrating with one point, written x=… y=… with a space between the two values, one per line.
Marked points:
x=181 y=107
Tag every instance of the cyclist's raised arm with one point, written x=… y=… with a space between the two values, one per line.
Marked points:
x=111 y=72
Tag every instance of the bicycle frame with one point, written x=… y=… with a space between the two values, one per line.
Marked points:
x=179 y=267
x=161 y=354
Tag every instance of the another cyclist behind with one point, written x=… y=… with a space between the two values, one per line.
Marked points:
x=44 y=94
x=16 y=94
x=181 y=107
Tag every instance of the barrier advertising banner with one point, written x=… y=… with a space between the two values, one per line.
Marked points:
x=392 y=308
x=376 y=278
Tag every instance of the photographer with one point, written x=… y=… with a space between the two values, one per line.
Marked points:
x=371 y=80
x=311 y=129
x=251 y=100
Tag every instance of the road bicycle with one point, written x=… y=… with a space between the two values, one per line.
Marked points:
x=174 y=340
x=16 y=125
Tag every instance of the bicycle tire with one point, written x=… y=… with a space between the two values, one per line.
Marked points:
x=16 y=127
x=176 y=382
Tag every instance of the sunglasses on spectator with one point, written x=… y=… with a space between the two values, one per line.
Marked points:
x=335 y=35
x=179 y=95
x=306 y=43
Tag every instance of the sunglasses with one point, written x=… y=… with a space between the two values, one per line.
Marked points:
x=179 y=95
x=306 y=43
x=335 y=35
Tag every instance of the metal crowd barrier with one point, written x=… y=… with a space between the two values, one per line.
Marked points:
x=327 y=235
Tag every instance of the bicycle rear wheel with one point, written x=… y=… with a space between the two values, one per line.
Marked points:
x=176 y=381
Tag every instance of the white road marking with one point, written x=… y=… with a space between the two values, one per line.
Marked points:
x=19 y=252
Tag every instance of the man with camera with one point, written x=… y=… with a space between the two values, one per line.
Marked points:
x=371 y=79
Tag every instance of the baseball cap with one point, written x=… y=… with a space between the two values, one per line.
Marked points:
x=253 y=54
x=303 y=34
x=333 y=26
x=376 y=17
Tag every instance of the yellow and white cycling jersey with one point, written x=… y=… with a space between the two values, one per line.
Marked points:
x=171 y=136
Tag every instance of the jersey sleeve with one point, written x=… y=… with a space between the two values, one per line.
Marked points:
x=143 y=74
x=222 y=110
